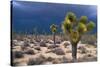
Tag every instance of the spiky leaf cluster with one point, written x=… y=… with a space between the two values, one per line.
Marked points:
x=82 y=26
x=83 y=19
x=90 y=25
x=74 y=36
x=53 y=28
x=71 y=17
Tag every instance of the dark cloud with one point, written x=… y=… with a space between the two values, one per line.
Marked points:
x=27 y=15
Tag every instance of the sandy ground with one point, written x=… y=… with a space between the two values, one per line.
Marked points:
x=33 y=52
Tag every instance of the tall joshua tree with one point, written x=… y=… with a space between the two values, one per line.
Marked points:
x=75 y=28
x=53 y=28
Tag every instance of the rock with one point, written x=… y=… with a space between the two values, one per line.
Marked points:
x=58 y=51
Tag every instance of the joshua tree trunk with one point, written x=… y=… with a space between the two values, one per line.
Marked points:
x=54 y=38
x=74 y=52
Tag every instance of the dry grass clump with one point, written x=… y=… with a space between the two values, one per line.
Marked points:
x=58 y=51
x=30 y=51
x=43 y=44
x=36 y=61
x=50 y=59
x=17 y=54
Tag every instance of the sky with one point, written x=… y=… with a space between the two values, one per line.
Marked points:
x=30 y=16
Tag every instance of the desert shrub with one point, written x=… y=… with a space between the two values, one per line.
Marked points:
x=35 y=61
x=26 y=44
x=19 y=64
x=65 y=43
x=83 y=50
x=14 y=63
x=32 y=62
x=89 y=39
x=64 y=59
x=56 y=61
x=52 y=46
x=17 y=54
x=50 y=59
x=59 y=51
x=37 y=48
x=43 y=44
x=30 y=51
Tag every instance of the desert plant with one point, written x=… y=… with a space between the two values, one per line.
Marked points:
x=30 y=51
x=36 y=61
x=75 y=28
x=53 y=28
x=17 y=54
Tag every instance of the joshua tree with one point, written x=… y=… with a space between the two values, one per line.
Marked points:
x=53 y=28
x=75 y=28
